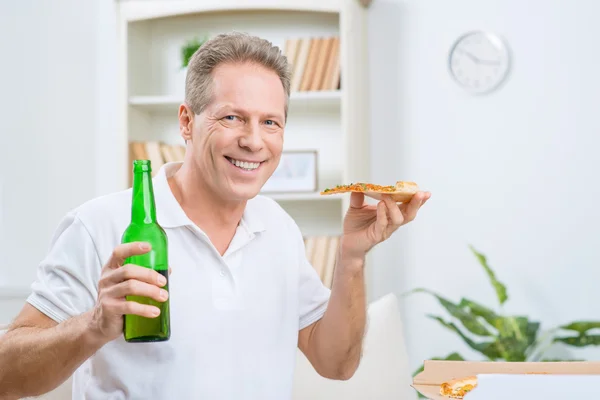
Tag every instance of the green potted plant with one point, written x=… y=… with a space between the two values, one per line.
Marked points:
x=187 y=50
x=501 y=337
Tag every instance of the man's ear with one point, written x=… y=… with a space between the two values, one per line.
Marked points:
x=186 y=122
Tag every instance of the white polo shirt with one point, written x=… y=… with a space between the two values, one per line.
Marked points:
x=234 y=318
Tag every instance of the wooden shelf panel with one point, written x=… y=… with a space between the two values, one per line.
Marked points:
x=170 y=104
x=137 y=10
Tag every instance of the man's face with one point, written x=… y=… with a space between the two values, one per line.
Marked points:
x=236 y=142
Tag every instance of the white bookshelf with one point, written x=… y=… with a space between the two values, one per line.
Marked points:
x=333 y=122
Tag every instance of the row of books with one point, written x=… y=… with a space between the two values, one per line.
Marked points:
x=158 y=153
x=315 y=63
x=321 y=251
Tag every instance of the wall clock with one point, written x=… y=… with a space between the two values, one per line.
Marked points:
x=479 y=61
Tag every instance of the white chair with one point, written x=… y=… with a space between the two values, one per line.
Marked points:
x=384 y=371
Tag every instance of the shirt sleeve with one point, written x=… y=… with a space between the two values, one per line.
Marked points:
x=313 y=294
x=66 y=282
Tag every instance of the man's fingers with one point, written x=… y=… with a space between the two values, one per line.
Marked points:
x=125 y=250
x=136 y=272
x=134 y=287
x=427 y=197
x=129 y=272
x=415 y=203
x=357 y=199
x=135 y=308
x=382 y=220
x=393 y=211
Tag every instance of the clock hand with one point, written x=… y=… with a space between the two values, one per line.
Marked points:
x=479 y=61
x=472 y=57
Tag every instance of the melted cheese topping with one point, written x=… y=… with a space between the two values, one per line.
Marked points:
x=457 y=389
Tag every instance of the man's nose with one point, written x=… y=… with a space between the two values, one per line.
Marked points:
x=252 y=139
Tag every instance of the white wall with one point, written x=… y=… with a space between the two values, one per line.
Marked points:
x=514 y=173
x=54 y=105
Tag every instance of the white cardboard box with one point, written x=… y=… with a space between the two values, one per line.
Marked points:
x=529 y=387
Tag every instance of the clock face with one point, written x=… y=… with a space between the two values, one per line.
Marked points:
x=479 y=62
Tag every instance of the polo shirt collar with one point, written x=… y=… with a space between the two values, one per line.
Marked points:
x=171 y=215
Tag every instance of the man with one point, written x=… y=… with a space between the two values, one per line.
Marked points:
x=242 y=293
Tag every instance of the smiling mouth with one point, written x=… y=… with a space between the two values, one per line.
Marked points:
x=246 y=166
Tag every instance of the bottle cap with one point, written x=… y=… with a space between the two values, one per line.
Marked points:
x=142 y=166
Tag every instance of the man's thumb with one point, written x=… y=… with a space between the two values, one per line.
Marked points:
x=357 y=199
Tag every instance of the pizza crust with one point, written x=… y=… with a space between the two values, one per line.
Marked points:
x=401 y=192
x=458 y=388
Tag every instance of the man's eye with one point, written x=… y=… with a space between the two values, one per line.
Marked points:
x=270 y=122
x=230 y=117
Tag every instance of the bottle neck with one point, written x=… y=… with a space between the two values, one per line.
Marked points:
x=143 y=208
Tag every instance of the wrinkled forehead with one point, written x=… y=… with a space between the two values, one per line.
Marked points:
x=251 y=89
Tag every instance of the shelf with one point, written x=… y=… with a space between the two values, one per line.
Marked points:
x=316 y=96
x=155 y=104
x=170 y=104
x=136 y=10
x=300 y=197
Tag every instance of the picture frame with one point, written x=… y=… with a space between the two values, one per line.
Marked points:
x=297 y=172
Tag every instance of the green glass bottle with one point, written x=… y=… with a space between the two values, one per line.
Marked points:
x=145 y=228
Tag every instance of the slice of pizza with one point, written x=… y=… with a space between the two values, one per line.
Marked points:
x=458 y=388
x=400 y=193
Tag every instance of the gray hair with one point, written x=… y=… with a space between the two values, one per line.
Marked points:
x=231 y=48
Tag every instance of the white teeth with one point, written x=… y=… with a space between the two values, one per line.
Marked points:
x=243 y=164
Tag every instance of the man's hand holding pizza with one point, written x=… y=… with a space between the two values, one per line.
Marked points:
x=367 y=225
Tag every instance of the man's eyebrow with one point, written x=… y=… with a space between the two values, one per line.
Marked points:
x=274 y=116
x=222 y=107
x=237 y=110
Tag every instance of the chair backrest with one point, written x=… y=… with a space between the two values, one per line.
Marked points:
x=384 y=370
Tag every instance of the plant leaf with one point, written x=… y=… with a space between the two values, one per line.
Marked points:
x=517 y=336
x=498 y=286
x=488 y=349
x=189 y=48
x=514 y=327
x=511 y=348
x=580 y=341
x=557 y=360
x=519 y=327
x=482 y=311
x=489 y=315
x=469 y=321
x=581 y=326
x=531 y=332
